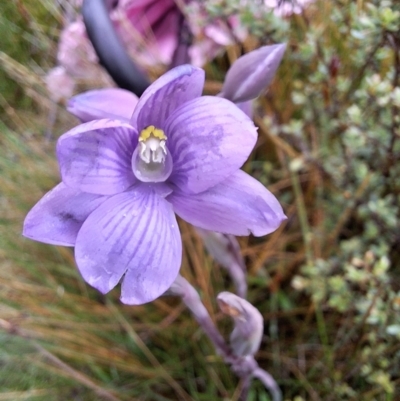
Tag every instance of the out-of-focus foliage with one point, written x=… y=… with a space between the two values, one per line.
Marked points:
x=327 y=282
x=28 y=32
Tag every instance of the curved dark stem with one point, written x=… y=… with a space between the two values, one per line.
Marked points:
x=109 y=48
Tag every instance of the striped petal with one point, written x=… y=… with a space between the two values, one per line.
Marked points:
x=95 y=157
x=135 y=235
x=57 y=218
x=166 y=94
x=96 y=104
x=240 y=205
x=209 y=138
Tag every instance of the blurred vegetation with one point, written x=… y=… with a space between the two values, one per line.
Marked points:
x=327 y=281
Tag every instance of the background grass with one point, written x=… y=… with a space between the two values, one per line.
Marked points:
x=326 y=282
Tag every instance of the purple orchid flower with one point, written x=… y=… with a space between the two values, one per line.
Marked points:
x=123 y=181
x=247 y=78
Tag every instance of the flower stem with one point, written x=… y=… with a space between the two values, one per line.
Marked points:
x=191 y=299
x=269 y=383
x=302 y=213
x=244 y=367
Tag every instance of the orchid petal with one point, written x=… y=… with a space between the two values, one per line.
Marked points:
x=209 y=139
x=240 y=205
x=110 y=103
x=133 y=234
x=250 y=74
x=95 y=157
x=57 y=218
x=166 y=94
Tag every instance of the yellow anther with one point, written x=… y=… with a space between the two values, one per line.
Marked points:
x=152 y=131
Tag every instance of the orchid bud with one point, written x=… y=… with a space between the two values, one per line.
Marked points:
x=246 y=336
x=246 y=107
x=226 y=251
x=103 y=103
x=250 y=74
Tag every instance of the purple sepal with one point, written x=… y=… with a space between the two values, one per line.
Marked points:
x=95 y=157
x=57 y=218
x=239 y=205
x=96 y=104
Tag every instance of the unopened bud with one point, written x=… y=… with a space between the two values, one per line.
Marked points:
x=246 y=336
x=225 y=249
x=251 y=74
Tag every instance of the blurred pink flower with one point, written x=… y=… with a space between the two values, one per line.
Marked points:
x=77 y=61
x=75 y=52
x=285 y=8
x=155 y=26
x=211 y=36
x=59 y=84
x=150 y=30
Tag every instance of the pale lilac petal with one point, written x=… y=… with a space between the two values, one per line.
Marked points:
x=240 y=205
x=59 y=215
x=209 y=139
x=225 y=249
x=250 y=75
x=134 y=233
x=110 y=103
x=166 y=94
x=95 y=157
